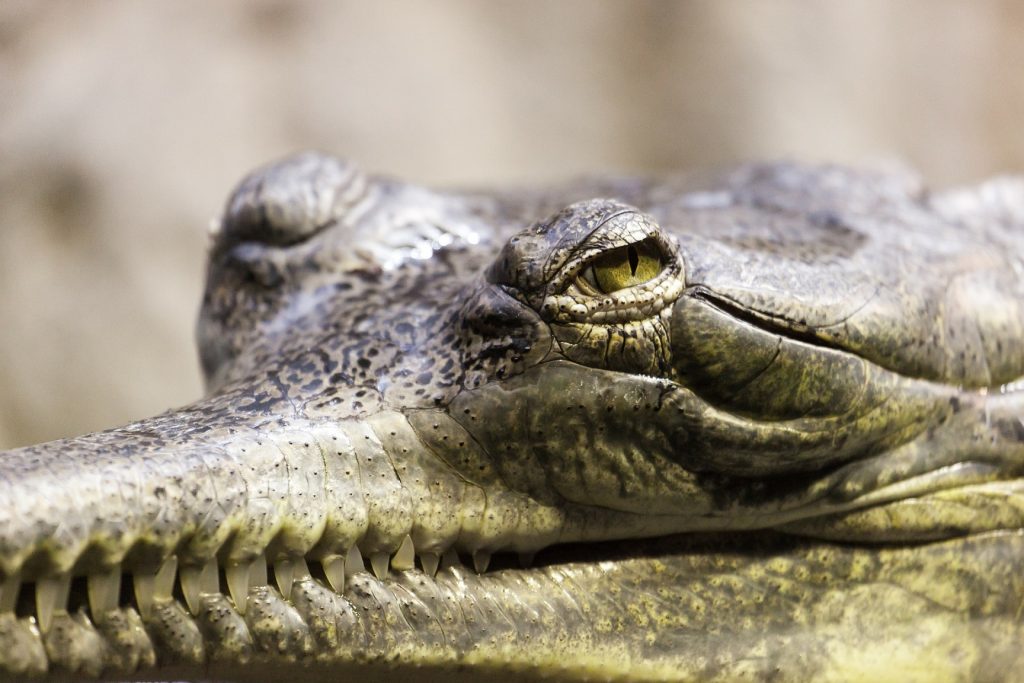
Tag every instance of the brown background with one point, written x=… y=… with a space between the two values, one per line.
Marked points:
x=123 y=125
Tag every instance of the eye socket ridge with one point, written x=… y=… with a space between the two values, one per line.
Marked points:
x=622 y=267
x=647 y=281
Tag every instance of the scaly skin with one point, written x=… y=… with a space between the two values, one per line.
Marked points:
x=761 y=424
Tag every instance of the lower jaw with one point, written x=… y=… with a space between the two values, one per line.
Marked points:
x=694 y=606
x=931 y=515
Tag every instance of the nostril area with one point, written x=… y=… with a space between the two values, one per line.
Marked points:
x=256 y=263
x=291 y=200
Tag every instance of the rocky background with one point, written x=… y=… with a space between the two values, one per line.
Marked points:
x=124 y=124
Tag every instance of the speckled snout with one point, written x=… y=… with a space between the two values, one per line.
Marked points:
x=143 y=526
x=191 y=500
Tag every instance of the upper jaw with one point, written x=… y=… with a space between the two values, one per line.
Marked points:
x=235 y=476
x=191 y=511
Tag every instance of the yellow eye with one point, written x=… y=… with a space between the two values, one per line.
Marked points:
x=625 y=267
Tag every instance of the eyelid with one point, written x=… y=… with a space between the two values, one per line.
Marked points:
x=573 y=297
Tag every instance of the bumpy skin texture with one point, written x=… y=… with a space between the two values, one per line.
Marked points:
x=787 y=442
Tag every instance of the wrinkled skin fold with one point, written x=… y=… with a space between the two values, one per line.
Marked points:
x=765 y=423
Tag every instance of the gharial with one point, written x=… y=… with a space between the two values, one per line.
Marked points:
x=762 y=423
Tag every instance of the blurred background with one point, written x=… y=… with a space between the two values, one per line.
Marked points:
x=124 y=125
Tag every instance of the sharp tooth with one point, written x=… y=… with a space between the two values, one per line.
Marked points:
x=300 y=570
x=209 y=579
x=104 y=590
x=284 y=574
x=51 y=596
x=153 y=588
x=379 y=564
x=9 y=593
x=334 y=570
x=526 y=559
x=354 y=561
x=258 y=572
x=405 y=558
x=481 y=558
x=196 y=581
x=450 y=559
x=143 y=584
x=189 y=577
x=238 y=584
x=163 y=582
x=430 y=562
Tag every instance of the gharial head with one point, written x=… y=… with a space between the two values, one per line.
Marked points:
x=410 y=376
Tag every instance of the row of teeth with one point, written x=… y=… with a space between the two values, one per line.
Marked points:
x=104 y=589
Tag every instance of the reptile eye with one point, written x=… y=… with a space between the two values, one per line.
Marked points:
x=624 y=267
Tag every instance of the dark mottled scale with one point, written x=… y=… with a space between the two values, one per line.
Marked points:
x=22 y=652
x=176 y=636
x=74 y=645
x=277 y=628
x=224 y=630
x=129 y=645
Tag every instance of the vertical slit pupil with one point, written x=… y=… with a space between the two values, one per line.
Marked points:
x=634 y=259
